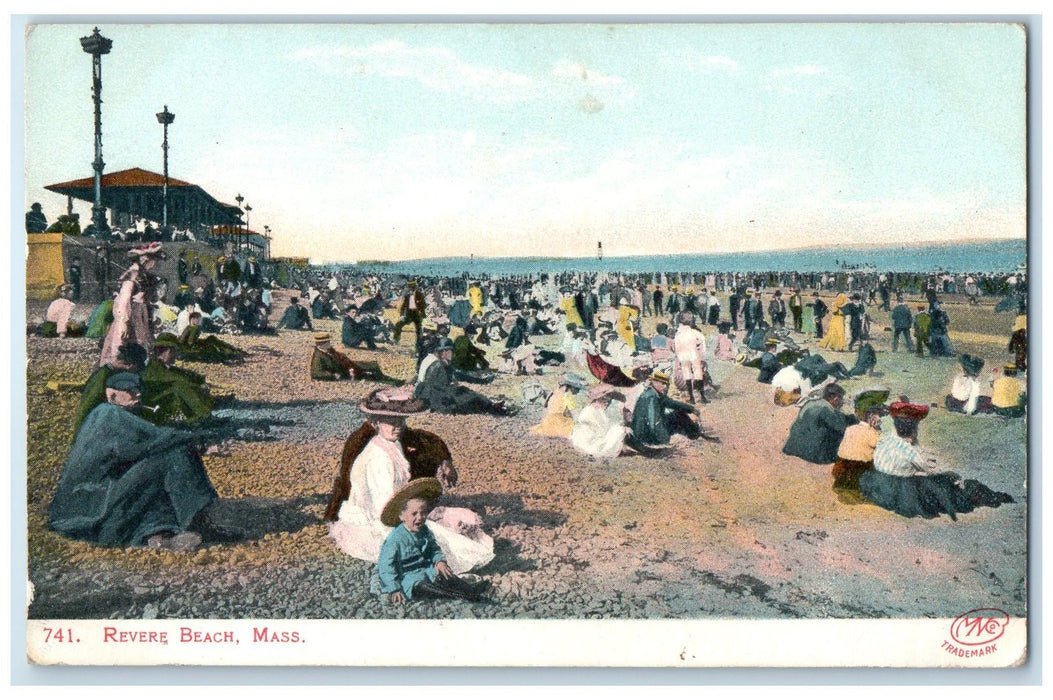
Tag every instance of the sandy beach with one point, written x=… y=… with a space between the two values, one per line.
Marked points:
x=735 y=529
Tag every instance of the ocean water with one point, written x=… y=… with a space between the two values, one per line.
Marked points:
x=985 y=257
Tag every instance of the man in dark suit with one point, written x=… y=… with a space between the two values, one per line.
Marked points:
x=411 y=310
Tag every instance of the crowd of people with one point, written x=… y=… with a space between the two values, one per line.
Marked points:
x=612 y=396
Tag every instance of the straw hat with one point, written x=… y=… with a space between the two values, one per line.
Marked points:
x=660 y=376
x=322 y=338
x=427 y=488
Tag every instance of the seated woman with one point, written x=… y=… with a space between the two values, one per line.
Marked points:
x=562 y=408
x=855 y=455
x=599 y=430
x=905 y=479
x=723 y=346
x=381 y=457
x=965 y=391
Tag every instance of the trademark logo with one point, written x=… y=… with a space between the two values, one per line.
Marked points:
x=975 y=632
x=980 y=626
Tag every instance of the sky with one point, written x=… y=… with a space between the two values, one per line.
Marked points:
x=401 y=141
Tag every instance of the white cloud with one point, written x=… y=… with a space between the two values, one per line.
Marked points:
x=439 y=68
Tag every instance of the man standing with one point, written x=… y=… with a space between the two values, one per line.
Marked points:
x=819 y=312
x=921 y=330
x=796 y=308
x=777 y=310
x=74 y=279
x=411 y=311
x=902 y=321
x=36 y=222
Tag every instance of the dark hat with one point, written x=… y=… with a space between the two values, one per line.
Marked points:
x=686 y=317
x=392 y=402
x=971 y=365
x=444 y=344
x=427 y=488
x=908 y=411
x=294 y=300
x=125 y=381
x=724 y=326
x=132 y=354
x=778 y=292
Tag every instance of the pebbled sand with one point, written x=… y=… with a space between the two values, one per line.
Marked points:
x=734 y=529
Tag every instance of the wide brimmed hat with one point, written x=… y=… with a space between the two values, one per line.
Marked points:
x=971 y=365
x=151 y=250
x=660 y=376
x=426 y=487
x=322 y=337
x=1010 y=370
x=392 y=401
x=908 y=411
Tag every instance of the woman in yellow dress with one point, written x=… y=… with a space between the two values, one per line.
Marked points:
x=835 y=338
x=567 y=304
x=475 y=298
x=627 y=316
x=562 y=408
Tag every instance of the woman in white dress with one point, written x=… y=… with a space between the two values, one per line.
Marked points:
x=381 y=468
x=599 y=430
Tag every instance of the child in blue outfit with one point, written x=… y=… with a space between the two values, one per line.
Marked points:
x=411 y=564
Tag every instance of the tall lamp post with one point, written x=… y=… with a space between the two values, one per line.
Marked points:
x=267 y=243
x=237 y=236
x=248 y=231
x=165 y=118
x=97 y=45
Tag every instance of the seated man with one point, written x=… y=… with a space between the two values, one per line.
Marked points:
x=295 y=317
x=435 y=386
x=656 y=417
x=129 y=483
x=198 y=348
x=172 y=391
x=819 y=428
x=354 y=332
x=328 y=364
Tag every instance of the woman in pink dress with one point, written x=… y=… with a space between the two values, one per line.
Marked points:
x=131 y=308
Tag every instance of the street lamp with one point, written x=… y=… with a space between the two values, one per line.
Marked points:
x=248 y=231
x=267 y=243
x=237 y=235
x=165 y=118
x=97 y=45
